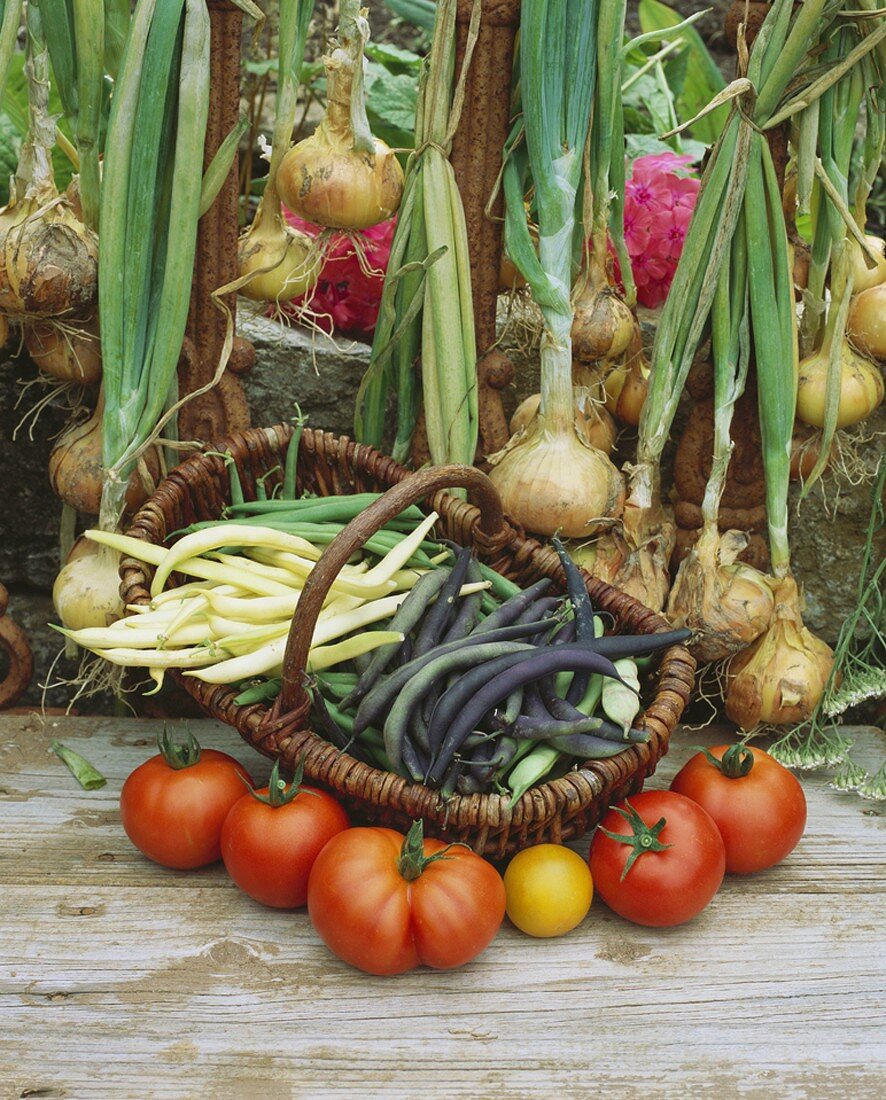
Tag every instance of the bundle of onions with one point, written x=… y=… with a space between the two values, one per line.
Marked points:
x=276 y=261
x=426 y=309
x=342 y=176
x=48 y=257
x=549 y=478
x=726 y=603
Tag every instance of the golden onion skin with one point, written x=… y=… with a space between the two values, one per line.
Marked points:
x=779 y=680
x=866 y=325
x=341 y=188
x=282 y=263
x=861 y=387
x=69 y=354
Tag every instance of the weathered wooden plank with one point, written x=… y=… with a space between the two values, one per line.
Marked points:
x=123 y=979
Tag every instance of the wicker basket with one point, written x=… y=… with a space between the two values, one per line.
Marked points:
x=555 y=811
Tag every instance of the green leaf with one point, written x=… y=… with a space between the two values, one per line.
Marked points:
x=642 y=145
x=703 y=78
x=393 y=57
x=391 y=98
x=260 y=66
x=420 y=13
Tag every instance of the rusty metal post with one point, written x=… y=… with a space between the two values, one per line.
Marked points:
x=476 y=158
x=223 y=409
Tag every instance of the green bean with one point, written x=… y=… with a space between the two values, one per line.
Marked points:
x=530 y=770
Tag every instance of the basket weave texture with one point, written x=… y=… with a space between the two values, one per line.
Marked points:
x=556 y=811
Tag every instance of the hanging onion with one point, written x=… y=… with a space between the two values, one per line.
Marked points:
x=76 y=469
x=866 y=326
x=69 y=353
x=726 y=603
x=604 y=326
x=86 y=591
x=861 y=385
x=278 y=262
x=864 y=277
x=592 y=421
x=781 y=677
x=342 y=176
x=626 y=387
x=806 y=444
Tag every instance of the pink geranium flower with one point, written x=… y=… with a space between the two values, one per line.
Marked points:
x=658 y=207
x=347 y=295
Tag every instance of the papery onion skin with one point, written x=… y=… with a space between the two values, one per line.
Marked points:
x=69 y=354
x=864 y=277
x=726 y=603
x=552 y=482
x=779 y=680
x=861 y=386
x=76 y=470
x=866 y=325
x=603 y=327
x=592 y=421
x=48 y=262
x=86 y=591
x=340 y=188
x=626 y=387
x=283 y=264
x=805 y=450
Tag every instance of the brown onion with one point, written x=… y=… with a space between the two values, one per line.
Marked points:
x=865 y=277
x=76 y=469
x=725 y=603
x=781 y=677
x=861 y=386
x=866 y=326
x=603 y=327
x=66 y=352
x=592 y=421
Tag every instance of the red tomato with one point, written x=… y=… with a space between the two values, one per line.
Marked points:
x=669 y=867
x=761 y=814
x=271 y=838
x=174 y=812
x=385 y=904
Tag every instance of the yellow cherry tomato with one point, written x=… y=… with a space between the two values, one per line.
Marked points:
x=549 y=890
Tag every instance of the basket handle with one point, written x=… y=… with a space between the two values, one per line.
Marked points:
x=390 y=504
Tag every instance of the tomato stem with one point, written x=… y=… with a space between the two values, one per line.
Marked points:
x=178 y=756
x=642 y=839
x=278 y=793
x=736 y=762
x=413 y=860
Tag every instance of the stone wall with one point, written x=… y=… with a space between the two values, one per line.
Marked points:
x=293 y=365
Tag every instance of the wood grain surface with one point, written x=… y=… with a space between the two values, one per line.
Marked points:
x=121 y=979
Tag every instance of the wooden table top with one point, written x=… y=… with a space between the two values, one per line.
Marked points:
x=120 y=978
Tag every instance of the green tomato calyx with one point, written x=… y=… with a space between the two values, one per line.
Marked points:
x=736 y=762
x=178 y=756
x=413 y=860
x=278 y=792
x=642 y=839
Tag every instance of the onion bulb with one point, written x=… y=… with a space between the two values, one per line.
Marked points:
x=277 y=262
x=781 y=677
x=342 y=176
x=626 y=386
x=866 y=326
x=48 y=258
x=603 y=557
x=603 y=327
x=864 y=277
x=87 y=589
x=509 y=276
x=550 y=482
x=76 y=470
x=861 y=386
x=805 y=451
x=66 y=352
x=724 y=602
x=592 y=421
